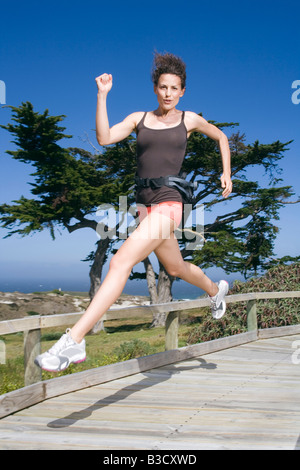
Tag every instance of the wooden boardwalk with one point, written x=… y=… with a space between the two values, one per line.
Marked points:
x=245 y=397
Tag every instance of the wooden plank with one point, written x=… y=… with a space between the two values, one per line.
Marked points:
x=278 y=331
x=208 y=347
x=32 y=348
x=277 y=295
x=20 y=324
x=251 y=315
x=37 y=322
x=171 y=329
x=49 y=321
x=21 y=398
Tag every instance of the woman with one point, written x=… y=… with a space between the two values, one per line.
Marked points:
x=161 y=144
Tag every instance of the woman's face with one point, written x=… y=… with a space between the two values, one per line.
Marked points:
x=168 y=91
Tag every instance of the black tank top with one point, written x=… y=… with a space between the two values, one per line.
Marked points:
x=160 y=152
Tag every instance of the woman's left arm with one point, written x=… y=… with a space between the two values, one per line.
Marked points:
x=196 y=123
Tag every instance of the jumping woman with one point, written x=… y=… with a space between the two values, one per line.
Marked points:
x=161 y=145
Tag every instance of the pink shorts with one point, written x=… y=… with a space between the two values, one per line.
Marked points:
x=171 y=209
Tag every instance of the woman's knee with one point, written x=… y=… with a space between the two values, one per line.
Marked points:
x=175 y=270
x=120 y=263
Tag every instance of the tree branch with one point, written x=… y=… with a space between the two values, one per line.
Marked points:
x=288 y=202
x=84 y=223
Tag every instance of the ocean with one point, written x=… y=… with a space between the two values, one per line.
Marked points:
x=26 y=286
x=180 y=290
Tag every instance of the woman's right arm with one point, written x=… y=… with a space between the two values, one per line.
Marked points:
x=110 y=135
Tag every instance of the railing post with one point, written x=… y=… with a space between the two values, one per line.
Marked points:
x=251 y=315
x=171 y=340
x=32 y=348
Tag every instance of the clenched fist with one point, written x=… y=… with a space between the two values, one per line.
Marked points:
x=104 y=83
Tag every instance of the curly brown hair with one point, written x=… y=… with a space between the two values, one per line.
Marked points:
x=168 y=63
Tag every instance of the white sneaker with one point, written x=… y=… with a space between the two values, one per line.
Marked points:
x=218 y=304
x=62 y=354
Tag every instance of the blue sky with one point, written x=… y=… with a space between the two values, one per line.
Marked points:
x=241 y=57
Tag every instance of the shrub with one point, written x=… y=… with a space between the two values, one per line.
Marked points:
x=51 y=336
x=270 y=313
x=132 y=349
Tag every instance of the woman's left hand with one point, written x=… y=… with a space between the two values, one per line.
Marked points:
x=226 y=184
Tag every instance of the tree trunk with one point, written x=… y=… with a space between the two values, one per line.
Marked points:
x=96 y=273
x=164 y=294
x=151 y=281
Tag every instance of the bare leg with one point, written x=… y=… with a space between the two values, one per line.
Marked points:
x=153 y=230
x=176 y=266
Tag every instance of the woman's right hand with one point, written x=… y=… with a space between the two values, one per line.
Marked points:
x=104 y=83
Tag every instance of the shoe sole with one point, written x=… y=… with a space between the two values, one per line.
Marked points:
x=61 y=370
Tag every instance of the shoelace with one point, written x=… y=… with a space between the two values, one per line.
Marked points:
x=61 y=343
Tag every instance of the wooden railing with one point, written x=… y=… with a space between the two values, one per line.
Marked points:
x=31 y=326
x=42 y=390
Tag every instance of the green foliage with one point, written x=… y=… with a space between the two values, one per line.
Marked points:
x=57 y=291
x=132 y=349
x=270 y=313
x=12 y=375
x=242 y=240
x=51 y=336
x=69 y=183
